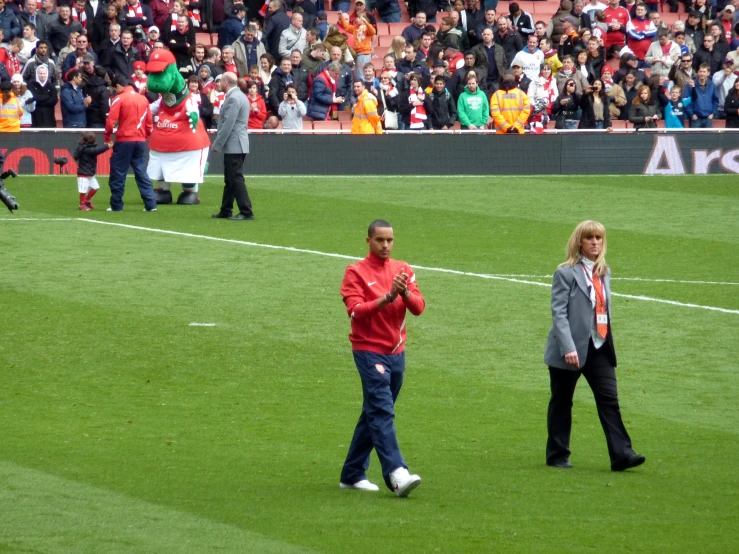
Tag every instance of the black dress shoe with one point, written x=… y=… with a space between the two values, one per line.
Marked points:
x=564 y=464
x=241 y=217
x=221 y=215
x=634 y=460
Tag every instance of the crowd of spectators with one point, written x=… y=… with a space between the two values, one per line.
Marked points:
x=587 y=66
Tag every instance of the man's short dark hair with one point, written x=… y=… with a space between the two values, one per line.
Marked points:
x=439 y=78
x=31 y=25
x=238 y=8
x=119 y=80
x=377 y=223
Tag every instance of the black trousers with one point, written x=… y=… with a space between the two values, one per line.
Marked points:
x=235 y=188
x=601 y=376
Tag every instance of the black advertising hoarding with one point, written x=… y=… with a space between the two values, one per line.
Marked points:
x=572 y=153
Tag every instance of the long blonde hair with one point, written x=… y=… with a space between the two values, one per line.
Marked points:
x=397 y=47
x=586 y=229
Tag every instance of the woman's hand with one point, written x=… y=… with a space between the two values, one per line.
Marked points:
x=572 y=359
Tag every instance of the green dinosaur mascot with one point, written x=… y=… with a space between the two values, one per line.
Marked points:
x=178 y=147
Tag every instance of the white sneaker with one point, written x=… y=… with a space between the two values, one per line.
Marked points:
x=403 y=482
x=152 y=210
x=363 y=485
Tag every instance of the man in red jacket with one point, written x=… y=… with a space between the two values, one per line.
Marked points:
x=130 y=119
x=377 y=291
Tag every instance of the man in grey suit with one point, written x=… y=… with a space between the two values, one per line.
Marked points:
x=581 y=343
x=233 y=141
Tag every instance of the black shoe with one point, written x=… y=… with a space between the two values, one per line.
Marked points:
x=634 y=460
x=241 y=217
x=564 y=464
x=8 y=173
x=221 y=215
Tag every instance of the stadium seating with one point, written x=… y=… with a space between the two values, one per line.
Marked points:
x=203 y=38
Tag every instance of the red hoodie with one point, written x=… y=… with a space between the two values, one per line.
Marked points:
x=130 y=110
x=375 y=330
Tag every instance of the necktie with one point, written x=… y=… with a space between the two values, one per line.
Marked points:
x=600 y=304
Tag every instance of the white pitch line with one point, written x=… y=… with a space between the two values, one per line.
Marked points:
x=644 y=279
x=202 y=324
x=3 y=220
x=354 y=258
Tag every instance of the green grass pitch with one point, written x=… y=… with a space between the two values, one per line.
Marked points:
x=123 y=429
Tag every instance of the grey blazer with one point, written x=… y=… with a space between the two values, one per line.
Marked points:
x=232 y=123
x=572 y=317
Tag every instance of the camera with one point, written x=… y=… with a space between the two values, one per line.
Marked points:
x=5 y=196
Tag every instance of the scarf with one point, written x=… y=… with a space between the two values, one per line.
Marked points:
x=194 y=14
x=136 y=11
x=218 y=101
x=418 y=113
x=80 y=16
x=140 y=84
x=551 y=52
x=173 y=23
x=607 y=84
x=331 y=83
x=13 y=64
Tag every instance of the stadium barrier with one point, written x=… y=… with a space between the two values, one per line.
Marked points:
x=657 y=152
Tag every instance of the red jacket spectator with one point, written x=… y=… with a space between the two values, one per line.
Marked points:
x=133 y=129
x=160 y=13
x=258 y=112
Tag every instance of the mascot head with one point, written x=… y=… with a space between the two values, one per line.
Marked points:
x=163 y=74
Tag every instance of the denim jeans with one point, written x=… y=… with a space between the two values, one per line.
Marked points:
x=361 y=61
x=701 y=123
x=125 y=155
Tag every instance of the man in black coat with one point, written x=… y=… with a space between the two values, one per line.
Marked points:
x=95 y=86
x=60 y=29
x=276 y=21
x=124 y=56
x=443 y=112
x=300 y=75
x=458 y=80
x=508 y=39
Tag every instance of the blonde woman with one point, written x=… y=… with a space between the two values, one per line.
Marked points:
x=397 y=49
x=581 y=343
x=70 y=47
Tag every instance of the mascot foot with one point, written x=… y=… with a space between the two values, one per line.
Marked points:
x=188 y=198
x=163 y=196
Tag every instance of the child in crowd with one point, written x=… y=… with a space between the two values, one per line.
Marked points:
x=371 y=83
x=86 y=157
x=291 y=109
x=139 y=77
x=675 y=109
x=254 y=76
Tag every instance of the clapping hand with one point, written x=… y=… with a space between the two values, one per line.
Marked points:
x=400 y=283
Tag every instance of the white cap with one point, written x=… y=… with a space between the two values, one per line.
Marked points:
x=154 y=28
x=17 y=78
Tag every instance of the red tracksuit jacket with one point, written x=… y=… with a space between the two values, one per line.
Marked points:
x=130 y=110
x=374 y=330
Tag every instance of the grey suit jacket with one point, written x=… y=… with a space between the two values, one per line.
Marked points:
x=572 y=317
x=232 y=123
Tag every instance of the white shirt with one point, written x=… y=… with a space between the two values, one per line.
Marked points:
x=590 y=7
x=588 y=265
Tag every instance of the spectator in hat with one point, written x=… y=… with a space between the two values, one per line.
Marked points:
x=570 y=40
x=694 y=27
x=95 y=86
x=139 y=77
x=153 y=36
x=74 y=101
x=724 y=81
x=615 y=92
x=74 y=59
x=627 y=63
x=25 y=99
x=519 y=77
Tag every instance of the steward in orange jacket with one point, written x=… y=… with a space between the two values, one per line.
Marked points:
x=10 y=111
x=509 y=107
x=366 y=121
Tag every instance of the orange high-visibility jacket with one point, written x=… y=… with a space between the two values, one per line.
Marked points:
x=366 y=121
x=509 y=109
x=10 y=115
